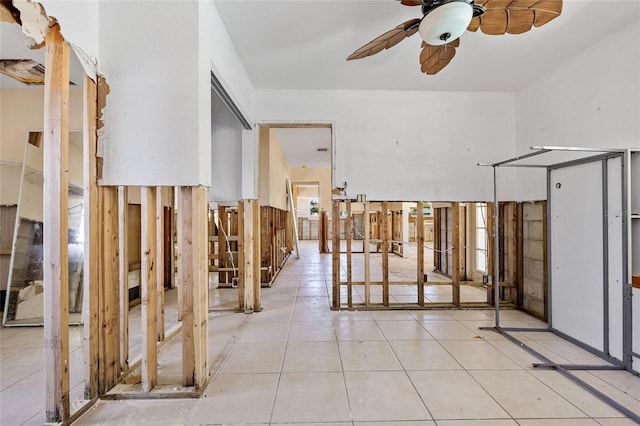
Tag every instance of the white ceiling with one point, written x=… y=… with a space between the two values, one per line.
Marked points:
x=300 y=146
x=303 y=45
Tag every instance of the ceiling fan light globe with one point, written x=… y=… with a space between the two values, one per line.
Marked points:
x=446 y=23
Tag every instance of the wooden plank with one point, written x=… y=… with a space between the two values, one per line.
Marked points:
x=490 y=251
x=545 y=287
x=55 y=268
x=241 y=255
x=160 y=258
x=436 y=240
x=420 y=251
x=520 y=255
x=511 y=225
x=335 y=256
x=223 y=233
x=385 y=253
x=348 y=237
x=123 y=267
x=201 y=287
x=185 y=266
x=109 y=362
x=367 y=254
x=91 y=260
x=251 y=265
x=255 y=211
x=455 y=255
x=148 y=283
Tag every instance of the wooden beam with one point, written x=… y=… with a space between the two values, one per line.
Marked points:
x=201 y=287
x=335 y=255
x=91 y=259
x=123 y=215
x=223 y=234
x=241 y=255
x=160 y=240
x=148 y=285
x=367 y=254
x=257 y=300
x=420 y=251
x=56 y=199
x=186 y=284
x=348 y=236
x=491 y=251
x=455 y=254
x=437 y=242
x=385 y=253
x=109 y=362
x=511 y=225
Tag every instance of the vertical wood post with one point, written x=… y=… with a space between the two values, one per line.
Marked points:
x=257 y=299
x=241 y=255
x=56 y=254
x=385 y=253
x=91 y=213
x=123 y=215
x=511 y=224
x=109 y=355
x=455 y=254
x=185 y=268
x=420 y=251
x=223 y=235
x=349 y=236
x=437 y=242
x=367 y=254
x=335 y=255
x=160 y=240
x=201 y=287
x=149 y=264
x=491 y=252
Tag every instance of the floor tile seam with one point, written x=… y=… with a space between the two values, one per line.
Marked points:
x=21 y=379
x=558 y=394
x=611 y=384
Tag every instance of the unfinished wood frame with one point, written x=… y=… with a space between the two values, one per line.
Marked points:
x=160 y=261
x=123 y=214
x=420 y=251
x=193 y=267
x=249 y=287
x=55 y=268
x=148 y=283
x=273 y=237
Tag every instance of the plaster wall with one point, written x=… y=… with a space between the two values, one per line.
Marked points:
x=591 y=100
x=405 y=144
x=152 y=134
x=320 y=176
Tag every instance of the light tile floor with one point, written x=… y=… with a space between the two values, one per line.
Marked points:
x=298 y=362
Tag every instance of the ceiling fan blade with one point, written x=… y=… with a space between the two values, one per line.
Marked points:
x=514 y=16
x=434 y=58
x=387 y=40
x=411 y=2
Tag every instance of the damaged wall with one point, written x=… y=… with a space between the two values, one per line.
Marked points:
x=274 y=171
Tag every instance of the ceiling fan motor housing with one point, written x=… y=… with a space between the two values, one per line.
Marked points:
x=446 y=20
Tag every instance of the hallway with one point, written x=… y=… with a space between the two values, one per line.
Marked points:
x=299 y=362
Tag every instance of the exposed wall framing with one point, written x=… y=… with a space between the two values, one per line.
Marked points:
x=274 y=242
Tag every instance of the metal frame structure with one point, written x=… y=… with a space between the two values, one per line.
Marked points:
x=582 y=155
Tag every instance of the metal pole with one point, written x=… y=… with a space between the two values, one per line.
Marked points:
x=496 y=246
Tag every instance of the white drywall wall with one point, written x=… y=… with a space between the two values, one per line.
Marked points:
x=226 y=153
x=151 y=134
x=591 y=100
x=408 y=145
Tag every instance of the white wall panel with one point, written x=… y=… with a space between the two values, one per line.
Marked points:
x=405 y=145
x=576 y=232
x=590 y=100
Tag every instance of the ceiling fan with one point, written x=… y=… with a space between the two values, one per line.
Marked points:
x=444 y=21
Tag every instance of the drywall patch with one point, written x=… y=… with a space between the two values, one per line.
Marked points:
x=35 y=21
